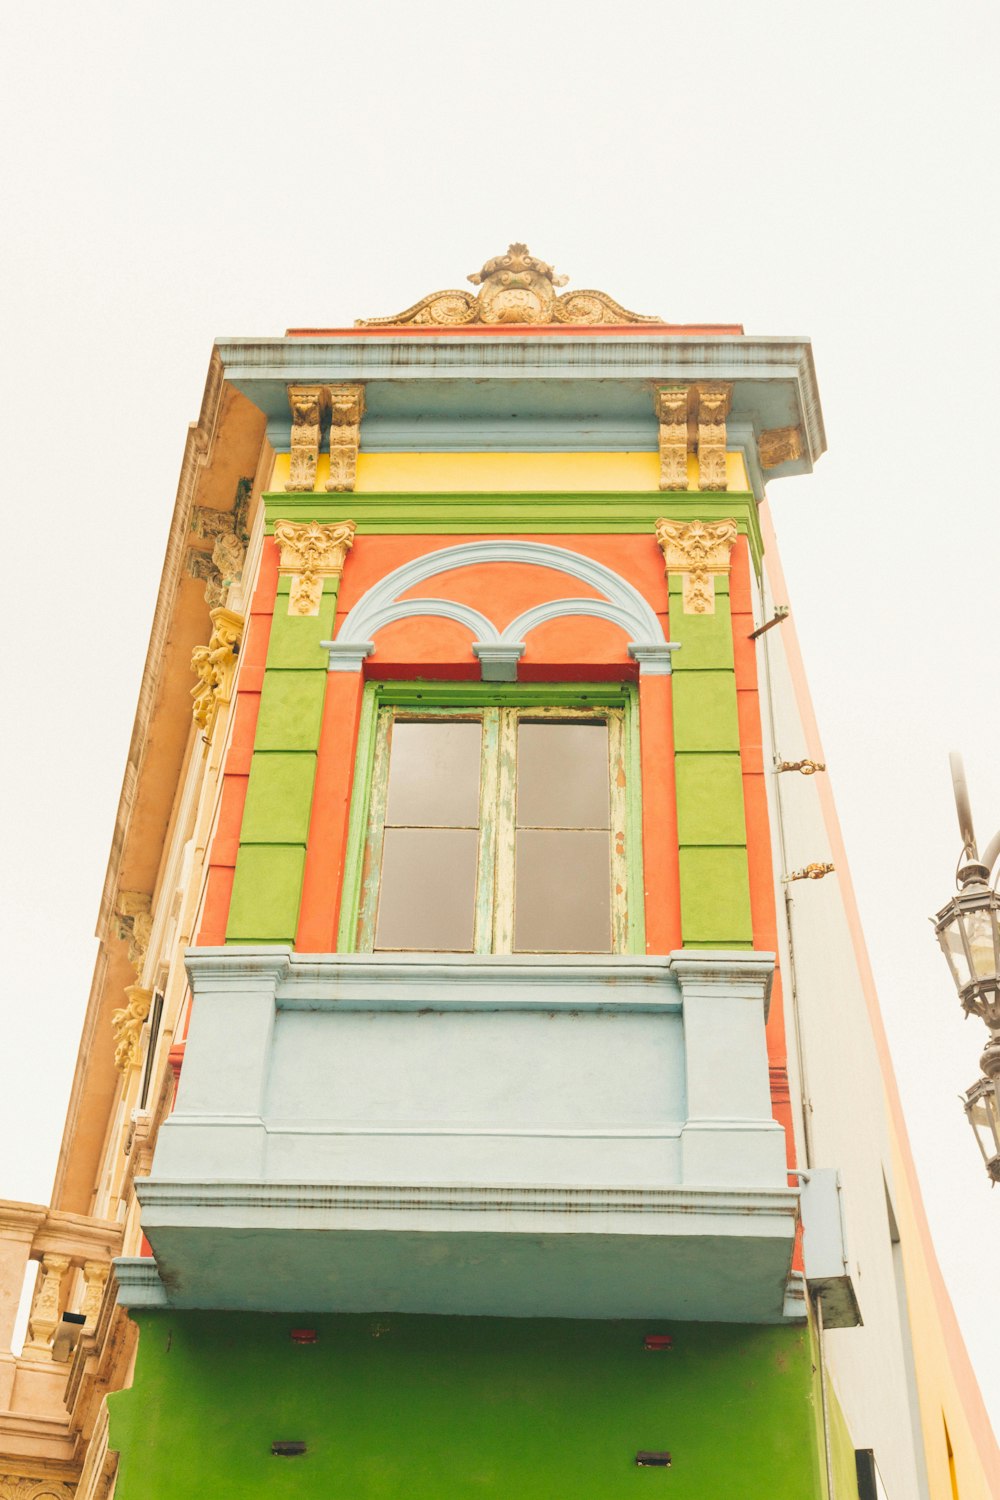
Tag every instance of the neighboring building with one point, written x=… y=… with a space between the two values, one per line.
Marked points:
x=482 y=1083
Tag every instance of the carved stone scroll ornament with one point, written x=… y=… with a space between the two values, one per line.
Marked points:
x=513 y=288
x=779 y=445
x=311 y=552
x=697 y=550
x=95 y=1276
x=347 y=407
x=215 y=667
x=127 y=1024
x=713 y=407
x=307 y=403
x=671 y=406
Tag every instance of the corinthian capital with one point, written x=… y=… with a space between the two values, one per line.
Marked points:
x=309 y=553
x=697 y=550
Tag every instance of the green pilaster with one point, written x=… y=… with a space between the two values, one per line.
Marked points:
x=271 y=861
x=711 y=822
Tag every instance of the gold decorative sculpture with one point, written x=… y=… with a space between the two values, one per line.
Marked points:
x=778 y=445
x=311 y=552
x=685 y=412
x=513 y=288
x=215 y=667
x=347 y=407
x=697 y=550
x=307 y=403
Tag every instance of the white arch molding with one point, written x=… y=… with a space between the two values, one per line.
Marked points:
x=499 y=651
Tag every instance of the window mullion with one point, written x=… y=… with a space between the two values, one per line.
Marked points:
x=486 y=879
x=506 y=814
x=371 y=872
x=619 y=845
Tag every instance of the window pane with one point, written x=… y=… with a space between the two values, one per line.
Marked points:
x=562 y=776
x=434 y=775
x=562 y=892
x=428 y=892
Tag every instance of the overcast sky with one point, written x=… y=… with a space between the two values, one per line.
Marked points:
x=176 y=172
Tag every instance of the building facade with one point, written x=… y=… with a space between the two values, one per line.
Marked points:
x=482 y=1089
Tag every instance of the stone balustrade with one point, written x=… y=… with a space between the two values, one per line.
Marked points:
x=73 y=1253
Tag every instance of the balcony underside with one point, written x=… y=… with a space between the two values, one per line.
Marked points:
x=710 y=1256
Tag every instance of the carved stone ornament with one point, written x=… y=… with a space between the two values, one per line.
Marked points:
x=671 y=406
x=127 y=1024
x=44 y=1313
x=215 y=667
x=135 y=923
x=308 y=404
x=311 y=552
x=697 y=550
x=513 y=288
x=14 y=1487
x=713 y=407
x=347 y=407
x=778 y=445
x=95 y=1276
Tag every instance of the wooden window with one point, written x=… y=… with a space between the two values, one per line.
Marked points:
x=496 y=828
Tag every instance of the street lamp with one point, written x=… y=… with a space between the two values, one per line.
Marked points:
x=968 y=929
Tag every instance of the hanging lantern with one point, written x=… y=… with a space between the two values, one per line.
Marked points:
x=982 y=1108
x=968 y=929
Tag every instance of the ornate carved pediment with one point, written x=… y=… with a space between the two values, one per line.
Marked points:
x=513 y=288
x=697 y=550
x=15 y=1487
x=311 y=552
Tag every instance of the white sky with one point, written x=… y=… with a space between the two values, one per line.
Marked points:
x=176 y=172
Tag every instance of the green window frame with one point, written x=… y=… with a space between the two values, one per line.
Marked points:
x=501 y=708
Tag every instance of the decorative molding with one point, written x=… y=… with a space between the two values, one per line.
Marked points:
x=16 y=1487
x=127 y=1024
x=135 y=924
x=671 y=406
x=347 y=407
x=227 y=531
x=215 y=667
x=621 y=604
x=697 y=550
x=513 y=288
x=311 y=552
x=714 y=401
x=307 y=403
x=779 y=445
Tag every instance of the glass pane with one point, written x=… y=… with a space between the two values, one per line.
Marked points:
x=434 y=775
x=562 y=892
x=562 y=776
x=428 y=892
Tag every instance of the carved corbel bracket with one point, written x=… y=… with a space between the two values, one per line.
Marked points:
x=127 y=1024
x=671 y=407
x=714 y=402
x=693 y=417
x=215 y=667
x=311 y=552
x=135 y=924
x=779 y=445
x=697 y=550
x=313 y=406
x=347 y=407
x=308 y=403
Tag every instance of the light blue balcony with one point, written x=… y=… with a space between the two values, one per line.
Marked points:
x=565 y=1137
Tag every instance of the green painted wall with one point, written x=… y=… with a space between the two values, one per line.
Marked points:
x=267 y=886
x=425 y=1408
x=711 y=819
